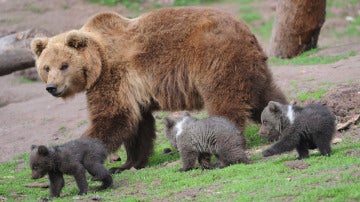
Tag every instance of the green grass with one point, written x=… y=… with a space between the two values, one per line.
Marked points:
x=353 y=28
x=307 y=58
x=26 y=80
x=253 y=139
x=133 y=5
x=313 y=95
x=192 y=2
x=334 y=178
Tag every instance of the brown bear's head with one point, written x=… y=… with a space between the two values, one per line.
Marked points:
x=40 y=161
x=68 y=63
x=271 y=124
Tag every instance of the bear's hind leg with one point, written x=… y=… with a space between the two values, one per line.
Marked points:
x=324 y=147
x=99 y=173
x=204 y=160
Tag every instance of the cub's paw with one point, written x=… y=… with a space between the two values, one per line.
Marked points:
x=115 y=170
x=184 y=169
x=267 y=153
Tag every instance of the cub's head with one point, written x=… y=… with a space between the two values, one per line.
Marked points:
x=170 y=131
x=174 y=128
x=68 y=63
x=271 y=121
x=40 y=161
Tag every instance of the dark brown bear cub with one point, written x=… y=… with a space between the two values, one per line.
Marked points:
x=198 y=139
x=71 y=158
x=302 y=128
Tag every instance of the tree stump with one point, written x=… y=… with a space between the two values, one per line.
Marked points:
x=15 y=53
x=297 y=27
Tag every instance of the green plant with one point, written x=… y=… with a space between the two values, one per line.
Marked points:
x=189 y=2
x=314 y=95
x=249 y=14
x=307 y=58
x=26 y=80
x=61 y=128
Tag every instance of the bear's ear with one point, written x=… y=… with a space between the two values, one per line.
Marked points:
x=38 y=45
x=274 y=106
x=168 y=122
x=33 y=147
x=76 y=39
x=42 y=150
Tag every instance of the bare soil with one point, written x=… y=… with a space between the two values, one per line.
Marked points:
x=29 y=115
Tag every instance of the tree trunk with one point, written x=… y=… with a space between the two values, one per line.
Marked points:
x=297 y=27
x=15 y=53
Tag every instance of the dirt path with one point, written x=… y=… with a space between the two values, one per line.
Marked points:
x=29 y=115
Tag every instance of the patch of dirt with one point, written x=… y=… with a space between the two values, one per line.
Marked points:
x=344 y=100
x=353 y=152
x=29 y=115
x=191 y=194
x=297 y=164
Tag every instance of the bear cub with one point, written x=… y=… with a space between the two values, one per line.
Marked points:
x=302 y=128
x=71 y=158
x=198 y=139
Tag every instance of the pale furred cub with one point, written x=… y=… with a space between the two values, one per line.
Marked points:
x=198 y=139
x=302 y=128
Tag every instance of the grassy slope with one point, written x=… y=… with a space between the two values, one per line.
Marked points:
x=266 y=179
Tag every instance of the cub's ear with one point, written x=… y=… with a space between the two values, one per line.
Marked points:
x=274 y=106
x=76 y=39
x=168 y=122
x=42 y=150
x=38 y=45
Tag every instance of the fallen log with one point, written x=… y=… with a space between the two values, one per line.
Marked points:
x=15 y=53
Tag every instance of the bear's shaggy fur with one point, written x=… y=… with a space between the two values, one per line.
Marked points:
x=302 y=128
x=71 y=158
x=169 y=59
x=197 y=139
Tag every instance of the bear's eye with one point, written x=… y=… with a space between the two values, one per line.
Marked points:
x=35 y=167
x=64 y=66
x=47 y=69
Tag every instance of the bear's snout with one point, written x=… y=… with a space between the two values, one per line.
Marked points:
x=35 y=176
x=51 y=88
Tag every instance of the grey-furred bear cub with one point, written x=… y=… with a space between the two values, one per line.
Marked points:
x=302 y=128
x=71 y=158
x=198 y=139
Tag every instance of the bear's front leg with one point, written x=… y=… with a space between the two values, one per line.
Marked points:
x=140 y=147
x=287 y=143
x=188 y=158
x=56 y=183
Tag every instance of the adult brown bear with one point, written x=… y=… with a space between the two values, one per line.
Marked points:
x=170 y=59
